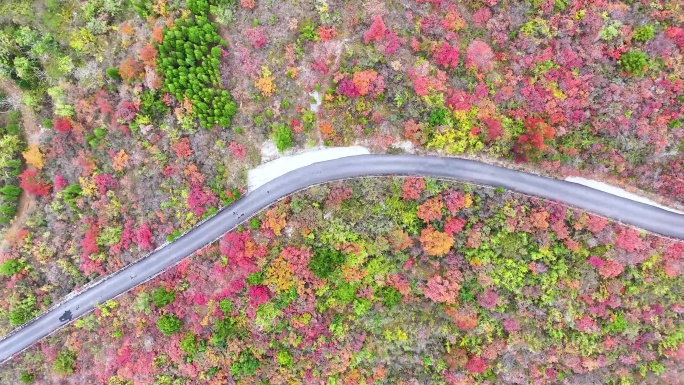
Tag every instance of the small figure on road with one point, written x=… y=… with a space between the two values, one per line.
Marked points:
x=66 y=316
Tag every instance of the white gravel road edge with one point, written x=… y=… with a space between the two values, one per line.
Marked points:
x=275 y=168
x=618 y=191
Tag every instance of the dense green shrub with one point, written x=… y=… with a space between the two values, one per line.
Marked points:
x=169 y=324
x=188 y=344
x=27 y=377
x=20 y=46
x=11 y=267
x=439 y=116
x=285 y=359
x=390 y=296
x=10 y=193
x=23 y=311
x=152 y=106
x=255 y=278
x=308 y=31
x=246 y=364
x=634 y=62
x=325 y=262
x=71 y=194
x=644 y=33
x=222 y=329
x=20 y=315
x=113 y=73
x=11 y=147
x=161 y=297
x=189 y=59
x=226 y=306
x=7 y=212
x=65 y=363
x=283 y=137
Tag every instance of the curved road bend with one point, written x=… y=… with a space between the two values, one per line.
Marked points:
x=634 y=213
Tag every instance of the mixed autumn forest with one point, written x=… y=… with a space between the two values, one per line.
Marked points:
x=125 y=123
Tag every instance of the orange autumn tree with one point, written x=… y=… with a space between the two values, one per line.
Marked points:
x=431 y=210
x=362 y=80
x=435 y=242
x=34 y=157
x=148 y=55
x=120 y=160
x=130 y=69
x=274 y=221
x=326 y=129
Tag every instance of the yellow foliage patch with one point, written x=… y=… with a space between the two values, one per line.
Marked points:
x=88 y=187
x=279 y=275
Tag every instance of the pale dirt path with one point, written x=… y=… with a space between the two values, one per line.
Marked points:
x=31 y=132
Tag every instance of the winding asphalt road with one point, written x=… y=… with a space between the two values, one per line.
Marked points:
x=77 y=304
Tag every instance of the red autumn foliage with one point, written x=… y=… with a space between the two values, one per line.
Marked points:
x=611 y=269
x=61 y=124
x=412 y=188
x=670 y=181
x=199 y=198
x=104 y=182
x=326 y=34
x=392 y=42
x=143 y=237
x=420 y=83
x=441 y=289
x=488 y=299
x=130 y=69
x=454 y=200
x=587 y=325
x=465 y=317
x=479 y=56
x=454 y=225
x=102 y=101
x=676 y=34
x=347 y=88
x=125 y=111
x=337 y=195
x=89 y=244
x=258 y=294
x=476 y=365
x=413 y=132
x=446 y=55
x=511 y=325
x=60 y=182
x=628 y=239
x=482 y=16
x=249 y=4
x=237 y=149
x=533 y=140
x=32 y=183
x=182 y=148
x=595 y=261
x=596 y=223
x=256 y=37
x=148 y=54
x=241 y=251
x=675 y=251
x=376 y=31
x=158 y=34
x=494 y=129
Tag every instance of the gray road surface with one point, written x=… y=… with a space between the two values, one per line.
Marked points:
x=621 y=209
